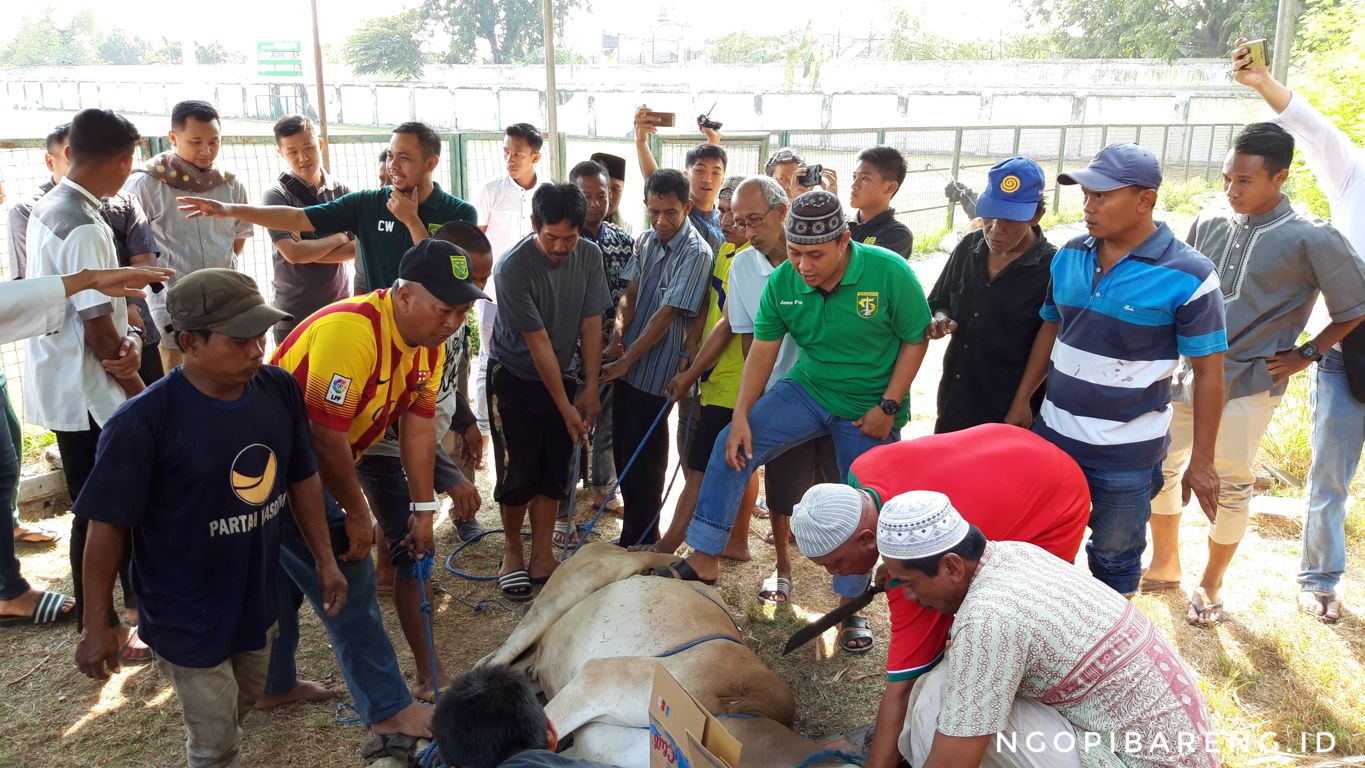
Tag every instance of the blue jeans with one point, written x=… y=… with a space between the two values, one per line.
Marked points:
x=12 y=584
x=1337 y=434
x=785 y=416
x=602 y=465
x=357 y=635
x=1120 y=506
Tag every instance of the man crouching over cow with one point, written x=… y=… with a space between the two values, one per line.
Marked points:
x=513 y=732
x=1007 y=481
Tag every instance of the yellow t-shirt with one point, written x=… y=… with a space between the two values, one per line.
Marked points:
x=357 y=374
x=720 y=385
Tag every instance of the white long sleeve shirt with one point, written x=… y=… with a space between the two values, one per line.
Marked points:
x=1338 y=163
x=31 y=307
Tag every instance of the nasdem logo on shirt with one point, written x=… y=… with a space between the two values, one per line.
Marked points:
x=253 y=474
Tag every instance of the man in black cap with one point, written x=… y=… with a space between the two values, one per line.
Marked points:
x=616 y=174
x=365 y=364
x=196 y=473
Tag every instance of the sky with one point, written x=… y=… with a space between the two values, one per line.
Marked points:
x=250 y=21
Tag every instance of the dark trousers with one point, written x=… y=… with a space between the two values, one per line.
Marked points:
x=642 y=488
x=152 y=368
x=78 y=458
x=12 y=585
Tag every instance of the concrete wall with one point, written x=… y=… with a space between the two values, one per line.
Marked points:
x=599 y=101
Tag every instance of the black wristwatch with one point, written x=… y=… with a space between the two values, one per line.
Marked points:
x=889 y=407
x=1309 y=351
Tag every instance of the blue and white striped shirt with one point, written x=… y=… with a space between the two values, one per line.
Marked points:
x=673 y=274
x=1120 y=337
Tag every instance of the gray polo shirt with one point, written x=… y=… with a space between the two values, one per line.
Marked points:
x=302 y=289
x=535 y=295
x=673 y=274
x=1272 y=267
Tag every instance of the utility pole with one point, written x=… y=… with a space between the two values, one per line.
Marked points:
x=322 y=93
x=1284 y=39
x=551 y=95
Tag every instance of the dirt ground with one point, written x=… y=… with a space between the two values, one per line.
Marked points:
x=1266 y=670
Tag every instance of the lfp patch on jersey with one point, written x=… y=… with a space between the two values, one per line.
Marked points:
x=336 y=391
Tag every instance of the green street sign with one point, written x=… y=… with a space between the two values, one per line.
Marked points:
x=279 y=58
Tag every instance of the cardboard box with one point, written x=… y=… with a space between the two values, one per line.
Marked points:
x=682 y=734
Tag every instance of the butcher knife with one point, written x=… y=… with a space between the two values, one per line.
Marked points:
x=816 y=628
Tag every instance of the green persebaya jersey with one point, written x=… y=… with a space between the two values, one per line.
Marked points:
x=380 y=239
x=849 y=338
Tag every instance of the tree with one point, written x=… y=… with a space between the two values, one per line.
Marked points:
x=390 y=46
x=41 y=43
x=119 y=48
x=1165 y=29
x=216 y=53
x=513 y=30
x=910 y=42
x=1330 y=59
x=744 y=48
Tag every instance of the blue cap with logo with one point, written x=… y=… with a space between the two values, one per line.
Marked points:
x=1014 y=187
x=1117 y=166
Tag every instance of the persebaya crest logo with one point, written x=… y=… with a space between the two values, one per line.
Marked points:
x=253 y=474
x=459 y=266
x=867 y=304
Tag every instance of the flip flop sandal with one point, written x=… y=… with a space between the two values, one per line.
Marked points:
x=516 y=586
x=1157 y=585
x=775 y=585
x=34 y=534
x=679 y=570
x=48 y=610
x=564 y=531
x=130 y=655
x=401 y=747
x=1199 y=609
x=1322 y=606
x=761 y=508
x=855 y=628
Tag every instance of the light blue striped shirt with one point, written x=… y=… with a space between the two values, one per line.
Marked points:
x=671 y=274
x=1119 y=339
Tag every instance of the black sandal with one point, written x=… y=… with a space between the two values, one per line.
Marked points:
x=681 y=571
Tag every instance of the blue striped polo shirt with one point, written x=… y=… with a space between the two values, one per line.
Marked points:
x=1119 y=339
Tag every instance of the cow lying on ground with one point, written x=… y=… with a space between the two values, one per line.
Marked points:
x=594 y=635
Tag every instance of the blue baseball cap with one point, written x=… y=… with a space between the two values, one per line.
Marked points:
x=1014 y=187
x=1117 y=166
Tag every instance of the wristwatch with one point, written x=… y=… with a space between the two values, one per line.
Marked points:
x=424 y=506
x=1309 y=351
x=889 y=407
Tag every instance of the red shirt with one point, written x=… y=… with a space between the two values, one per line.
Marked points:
x=1007 y=481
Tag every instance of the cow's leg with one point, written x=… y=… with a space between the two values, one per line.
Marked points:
x=593 y=567
x=613 y=691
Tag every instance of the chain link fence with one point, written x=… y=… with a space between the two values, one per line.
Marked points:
x=936 y=157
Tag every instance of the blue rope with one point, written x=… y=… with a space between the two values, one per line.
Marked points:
x=693 y=644
x=586 y=530
x=687 y=439
x=430 y=757
x=833 y=754
x=421 y=571
x=450 y=559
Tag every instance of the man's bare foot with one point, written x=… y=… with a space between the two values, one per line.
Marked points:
x=706 y=566
x=412 y=720
x=25 y=604
x=303 y=691
x=423 y=691
x=736 y=553
x=540 y=572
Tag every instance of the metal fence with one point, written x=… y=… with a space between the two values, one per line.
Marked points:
x=935 y=157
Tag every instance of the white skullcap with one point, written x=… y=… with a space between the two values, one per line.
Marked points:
x=919 y=524
x=826 y=517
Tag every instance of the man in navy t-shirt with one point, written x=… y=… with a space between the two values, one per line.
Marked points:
x=197 y=473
